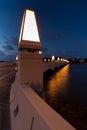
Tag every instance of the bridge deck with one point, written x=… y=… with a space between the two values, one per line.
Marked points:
x=5 y=85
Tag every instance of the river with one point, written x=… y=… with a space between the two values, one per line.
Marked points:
x=66 y=93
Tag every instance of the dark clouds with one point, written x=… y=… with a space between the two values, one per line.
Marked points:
x=9 y=49
x=13 y=41
x=1 y=53
x=4 y=57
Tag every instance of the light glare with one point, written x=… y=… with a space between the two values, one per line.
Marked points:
x=53 y=57
x=58 y=58
x=40 y=52
x=30 y=32
x=29 y=35
x=16 y=58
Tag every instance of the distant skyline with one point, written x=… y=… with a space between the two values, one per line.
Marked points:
x=62 y=27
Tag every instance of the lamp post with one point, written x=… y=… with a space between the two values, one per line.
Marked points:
x=30 y=63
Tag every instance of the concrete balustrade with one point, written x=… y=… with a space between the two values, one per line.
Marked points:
x=53 y=64
x=30 y=112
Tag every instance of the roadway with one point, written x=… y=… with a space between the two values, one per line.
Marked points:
x=5 y=85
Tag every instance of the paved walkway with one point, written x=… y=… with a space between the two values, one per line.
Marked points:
x=4 y=108
x=5 y=86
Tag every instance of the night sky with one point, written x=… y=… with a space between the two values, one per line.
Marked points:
x=62 y=26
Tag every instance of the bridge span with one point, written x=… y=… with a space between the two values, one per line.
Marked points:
x=28 y=110
x=53 y=64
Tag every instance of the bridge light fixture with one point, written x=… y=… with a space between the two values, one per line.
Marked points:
x=45 y=60
x=58 y=59
x=66 y=60
x=48 y=59
x=53 y=58
x=16 y=58
x=40 y=52
x=29 y=35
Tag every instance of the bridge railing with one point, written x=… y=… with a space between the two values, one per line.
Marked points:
x=29 y=111
x=52 y=64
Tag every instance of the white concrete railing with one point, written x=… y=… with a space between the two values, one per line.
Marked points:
x=53 y=64
x=30 y=112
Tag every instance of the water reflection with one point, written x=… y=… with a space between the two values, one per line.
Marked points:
x=59 y=82
x=66 y=93
x=57 y=87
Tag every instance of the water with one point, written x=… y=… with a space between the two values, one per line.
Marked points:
x=68 y=85
x=66 y=93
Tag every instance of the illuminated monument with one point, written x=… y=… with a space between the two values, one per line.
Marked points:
x=30 y=64
x=29 y=36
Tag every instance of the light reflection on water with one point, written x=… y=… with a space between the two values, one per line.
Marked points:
x=59 y=82
x=68 y=85
x=57 y=87
x=66 y=93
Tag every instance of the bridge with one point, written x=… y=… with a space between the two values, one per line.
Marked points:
x=37 y=113
x=54 y=63
x=7 y=76
x=28 y=110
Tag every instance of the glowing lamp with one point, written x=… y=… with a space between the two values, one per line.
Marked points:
x=48 y=59
x=58 y=58
x=16 y=58
x=40 y=52
x=29 y=35
x=45 y=60
x=53 y=57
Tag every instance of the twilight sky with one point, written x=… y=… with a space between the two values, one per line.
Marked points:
x=62 y=27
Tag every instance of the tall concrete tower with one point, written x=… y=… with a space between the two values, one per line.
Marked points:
x=30 y=63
